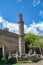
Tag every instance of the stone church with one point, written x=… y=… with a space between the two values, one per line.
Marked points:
x=11 y=41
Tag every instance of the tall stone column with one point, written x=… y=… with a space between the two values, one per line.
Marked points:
x=4 y=50
x=21 y=36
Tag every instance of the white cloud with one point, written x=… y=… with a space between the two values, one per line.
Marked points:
x=40 y=26
x=37 y=25
x=1 y=19
x=41 y=13
x=25 y=28
x=13 y=27
x=36 y=2
x=17 y=1
x=32 y=30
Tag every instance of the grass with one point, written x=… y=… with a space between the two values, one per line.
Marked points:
x=18 y=63
x=3 y=61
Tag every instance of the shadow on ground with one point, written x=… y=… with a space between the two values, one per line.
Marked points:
x=7 y=63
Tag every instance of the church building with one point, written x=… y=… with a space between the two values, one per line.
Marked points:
x=11 y=41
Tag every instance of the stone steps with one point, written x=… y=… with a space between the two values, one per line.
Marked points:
x=23 y=59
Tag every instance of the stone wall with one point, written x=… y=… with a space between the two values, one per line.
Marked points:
x=10 y=40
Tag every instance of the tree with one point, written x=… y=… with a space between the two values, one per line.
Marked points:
x=32 y=41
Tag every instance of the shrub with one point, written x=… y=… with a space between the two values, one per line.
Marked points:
x=3 y=59
x=12 y=60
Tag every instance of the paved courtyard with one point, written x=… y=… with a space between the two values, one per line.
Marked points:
x=38 y=63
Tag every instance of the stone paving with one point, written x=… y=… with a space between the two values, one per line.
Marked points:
x=38 y=63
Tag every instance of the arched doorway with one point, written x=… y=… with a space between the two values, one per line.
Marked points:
x=1 y=54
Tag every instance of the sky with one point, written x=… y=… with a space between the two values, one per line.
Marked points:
x=32 y=11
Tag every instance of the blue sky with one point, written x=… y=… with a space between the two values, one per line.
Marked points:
x=32 y=11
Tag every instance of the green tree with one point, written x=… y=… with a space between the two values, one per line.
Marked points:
x=32 y=41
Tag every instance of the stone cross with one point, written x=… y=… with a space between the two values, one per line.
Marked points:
x=20 y=17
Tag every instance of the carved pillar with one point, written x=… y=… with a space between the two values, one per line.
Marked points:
x=21 y=36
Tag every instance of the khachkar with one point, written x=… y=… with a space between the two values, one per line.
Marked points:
x=21 y=36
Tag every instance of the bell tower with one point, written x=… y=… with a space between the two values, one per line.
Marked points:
x=21 y=36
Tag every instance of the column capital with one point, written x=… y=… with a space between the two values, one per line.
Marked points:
x=20 y=18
